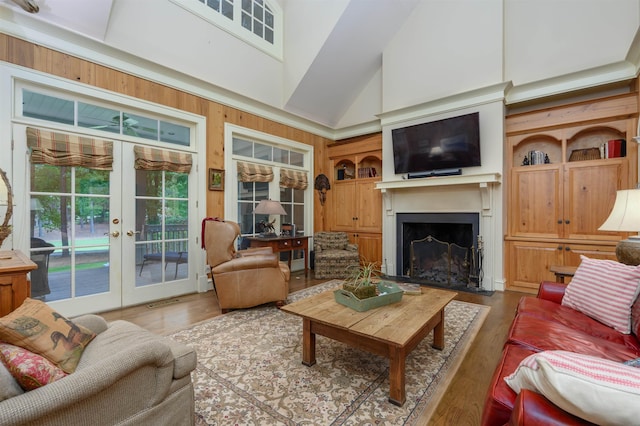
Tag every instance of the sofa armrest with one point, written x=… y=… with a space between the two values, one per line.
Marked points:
x=551 y=291
x=133 y=377
x=95 y=323
x=533 y=409
x=352 y=247
x=253 y=251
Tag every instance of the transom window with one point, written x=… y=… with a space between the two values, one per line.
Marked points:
x=267 y=152
x=92 y=115
x=257 y=22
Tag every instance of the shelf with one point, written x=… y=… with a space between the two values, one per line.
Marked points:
x=480 y=179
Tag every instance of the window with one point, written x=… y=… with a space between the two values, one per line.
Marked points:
x=256 y=16
x=260 y=166
x=257 y=22
x=91 y=115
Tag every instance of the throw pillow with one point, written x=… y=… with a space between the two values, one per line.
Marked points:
x=30 y=370
x=38 y=328
x=605 y=291
x=595 y=389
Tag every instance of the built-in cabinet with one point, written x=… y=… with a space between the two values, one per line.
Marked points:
x=356 y=204
x=561 y=189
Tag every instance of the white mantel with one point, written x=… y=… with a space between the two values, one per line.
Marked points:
x=482 y=180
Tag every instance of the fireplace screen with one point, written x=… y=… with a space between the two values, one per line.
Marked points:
x=440 y=262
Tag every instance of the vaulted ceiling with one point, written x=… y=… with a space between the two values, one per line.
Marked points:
x=334 y=49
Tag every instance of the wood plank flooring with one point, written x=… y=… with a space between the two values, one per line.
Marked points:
x=461 y=404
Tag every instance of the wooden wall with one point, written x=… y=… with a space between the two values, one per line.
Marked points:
x=29 y=55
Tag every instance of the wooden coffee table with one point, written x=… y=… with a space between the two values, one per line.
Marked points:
x=392 y=331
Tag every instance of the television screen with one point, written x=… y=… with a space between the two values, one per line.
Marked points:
x=451 y=143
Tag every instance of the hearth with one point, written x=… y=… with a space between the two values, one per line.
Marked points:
x=440 y=248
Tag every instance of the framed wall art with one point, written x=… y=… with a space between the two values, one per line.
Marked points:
x=216 y=180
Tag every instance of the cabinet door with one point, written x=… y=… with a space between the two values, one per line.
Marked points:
x=529 y=262
x=536 y=202
x=572 y=253
x=590 y=191
x=369 y=215
x=344 y=206
x=370 y=247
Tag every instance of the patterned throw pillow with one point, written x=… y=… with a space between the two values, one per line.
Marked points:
x=30 y=370
x=605 y=291
x=595 y=389
x=38 y=328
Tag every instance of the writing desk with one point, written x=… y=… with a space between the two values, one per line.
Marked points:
x=280 y=244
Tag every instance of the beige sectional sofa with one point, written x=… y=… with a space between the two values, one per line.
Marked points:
x=126 y=376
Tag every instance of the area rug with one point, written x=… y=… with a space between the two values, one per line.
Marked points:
x=250 y=370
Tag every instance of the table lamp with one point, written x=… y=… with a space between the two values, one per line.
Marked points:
x=625 y=217
x=269 y=207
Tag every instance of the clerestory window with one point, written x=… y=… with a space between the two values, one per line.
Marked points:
x=258 y=22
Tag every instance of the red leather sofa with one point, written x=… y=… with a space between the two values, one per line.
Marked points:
x=542 y=323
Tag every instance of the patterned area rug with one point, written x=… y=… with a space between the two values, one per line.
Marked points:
x=250 y=371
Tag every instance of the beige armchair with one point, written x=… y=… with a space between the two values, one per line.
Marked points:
x=334 y=255
x=245 y=278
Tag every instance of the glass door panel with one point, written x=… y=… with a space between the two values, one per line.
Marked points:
x=70 y=236
x=160 y=223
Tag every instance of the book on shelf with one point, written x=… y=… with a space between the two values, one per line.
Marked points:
x=410 y=288
x=613 y=148
x=367 y=172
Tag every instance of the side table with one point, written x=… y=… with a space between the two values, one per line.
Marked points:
x=279 y=244
x=562 y=271
x=14 y=285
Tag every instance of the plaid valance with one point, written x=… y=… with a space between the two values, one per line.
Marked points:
x=293 y=179
x=61 y=149
x=251 y=172
x=159 y=159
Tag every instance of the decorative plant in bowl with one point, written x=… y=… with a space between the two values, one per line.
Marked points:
x=363 y=290
x=360 y=281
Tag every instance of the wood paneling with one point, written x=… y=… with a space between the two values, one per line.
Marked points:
x=29 y=55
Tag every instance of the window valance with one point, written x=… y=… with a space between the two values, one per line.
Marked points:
x=293 y=179
x=147 y=158
x=251 y=172
x=62 y=149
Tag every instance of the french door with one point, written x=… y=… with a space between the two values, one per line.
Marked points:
x=105 y=239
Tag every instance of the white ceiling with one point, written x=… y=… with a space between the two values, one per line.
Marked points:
x=341 y=66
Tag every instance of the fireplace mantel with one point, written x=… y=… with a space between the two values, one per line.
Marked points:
x=480 y=179
x=483 y=180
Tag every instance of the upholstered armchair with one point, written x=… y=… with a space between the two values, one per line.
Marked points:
x=245 y=278
x=334 y=255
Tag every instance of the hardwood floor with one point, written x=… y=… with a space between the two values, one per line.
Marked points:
x=461 y=404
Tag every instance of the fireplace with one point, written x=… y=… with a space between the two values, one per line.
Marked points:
x=439 y=248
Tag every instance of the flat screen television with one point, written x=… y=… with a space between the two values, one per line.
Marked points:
x=452 y=143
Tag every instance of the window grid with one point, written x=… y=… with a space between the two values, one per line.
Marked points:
x=255 y=16
x=88 y=115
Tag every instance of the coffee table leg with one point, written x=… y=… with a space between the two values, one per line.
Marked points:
x=308 y=344
x=397 y=365
x=438 y=332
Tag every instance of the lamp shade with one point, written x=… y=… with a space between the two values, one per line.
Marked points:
x=270 y=207
x=625 y=216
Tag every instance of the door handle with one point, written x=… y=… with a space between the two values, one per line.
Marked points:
x=132 y=233
x=114 y=234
